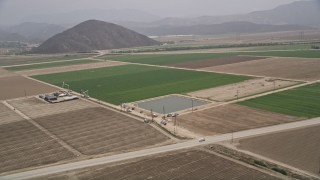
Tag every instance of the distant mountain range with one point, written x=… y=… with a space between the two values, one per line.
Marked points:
x=108 y=15
x=30 y=32
x=300 y=15
x=305 y=13
x=36 y=32
x=218 y=29
x=5 y=36
x=93 y=35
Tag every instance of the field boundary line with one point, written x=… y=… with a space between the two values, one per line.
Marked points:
x=242 y=163
x=68 y=68
x=62 y=143
x=256 y=96
x=29 y=64
x=233 y=147
x=112 y=108
x=159 y=150
x=203 y=70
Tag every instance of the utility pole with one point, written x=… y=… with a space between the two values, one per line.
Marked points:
x=301 y=36
x=175 y=124
x=232 y=137
x=319 y=165
x=274 y=85
x=151 y=115
x=192 y=104
x=237 y=94
x=164 y=113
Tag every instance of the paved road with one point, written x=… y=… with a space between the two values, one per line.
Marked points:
x=157 y=150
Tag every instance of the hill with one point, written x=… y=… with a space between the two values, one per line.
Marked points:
x=36 y=32
x=13 y=37
x=305 y=13
x=109 y=15
x=218 y=29
x=93 y=35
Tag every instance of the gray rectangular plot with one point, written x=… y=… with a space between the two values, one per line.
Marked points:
x=170 y=104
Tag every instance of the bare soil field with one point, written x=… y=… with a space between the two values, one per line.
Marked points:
x=230 y=118
x=216 y=62
x=22 y=145
x=242 y=89
x=7 y=115
x=70 y=68
x=292 y=68
x=185 y=165
x=34 y=107
x=18 y=86
x=95 y=131
x=5 y=73
x=298 y=148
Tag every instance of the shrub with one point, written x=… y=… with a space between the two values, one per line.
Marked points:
x=260 y=163
x=280 y=171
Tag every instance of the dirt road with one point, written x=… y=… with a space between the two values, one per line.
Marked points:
x=157 y=150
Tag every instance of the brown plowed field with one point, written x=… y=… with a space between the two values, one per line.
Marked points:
x=69 y=68
x=298 y=148
x=34 y=107
x=230 y=118
x=242 y=89
x=7 y=115
x=5 y=73
x=18 y=86
x=97 y=131
x=292 y=68
x=22 y=145
x=216 y=62
x=194 y=164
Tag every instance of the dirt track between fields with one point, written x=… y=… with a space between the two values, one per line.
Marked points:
x=298 y=148
x=69 y=68
x=35 y=108
x=18 y=86
x=8 y=116
x=23 y=146
x=94 y=131
x=292 y=68
x=192 y=164
x=216 y=62
x=242 y=89
x=5 y=73
x=230 y=118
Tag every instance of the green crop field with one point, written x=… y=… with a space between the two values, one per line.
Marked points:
x=301 y=102
x=283 y=47
x=168 y=59
x=130 y=83
x=51 y=64
x=165 y=59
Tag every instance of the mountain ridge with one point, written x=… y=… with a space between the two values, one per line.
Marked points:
x=93 y=35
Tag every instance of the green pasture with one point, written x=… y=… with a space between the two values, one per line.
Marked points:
x=169 y=59
x=301 y=102
x=130 y=83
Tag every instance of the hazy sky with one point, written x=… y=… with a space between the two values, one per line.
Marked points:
x=18 y=9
